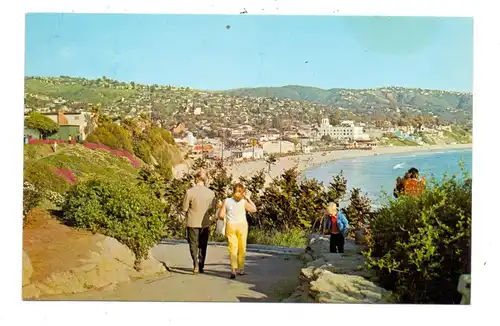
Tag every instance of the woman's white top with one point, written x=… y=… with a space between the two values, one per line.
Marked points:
x=235 y=211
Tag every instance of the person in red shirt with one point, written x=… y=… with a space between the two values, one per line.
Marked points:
x=413 y=185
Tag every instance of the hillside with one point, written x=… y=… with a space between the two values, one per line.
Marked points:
x=41 y=165
x=445 y=104
x=207 y=113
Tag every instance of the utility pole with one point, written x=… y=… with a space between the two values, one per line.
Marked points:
x=253 y=148
x=203 y=147
x=281 y=135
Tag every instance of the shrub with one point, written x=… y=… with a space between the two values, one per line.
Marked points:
x=112 y=135
x=420 y=246
x=142 y=151
x=175 y=190
x=55 y=198
x=32 y=196
x=131 y=214
x=358 y=211
x=44 y=176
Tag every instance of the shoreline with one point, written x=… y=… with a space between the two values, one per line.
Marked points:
x=306 y=162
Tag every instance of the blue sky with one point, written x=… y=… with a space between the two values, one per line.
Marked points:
x=199 y=51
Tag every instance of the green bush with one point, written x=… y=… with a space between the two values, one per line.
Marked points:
x=142 y=151
x=32 y=196
x=112 y=135
x=131 y=214
x=420 y=246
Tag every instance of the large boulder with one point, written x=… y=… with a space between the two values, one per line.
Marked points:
x=328 y=287
x=112 y=263
x=334 y=277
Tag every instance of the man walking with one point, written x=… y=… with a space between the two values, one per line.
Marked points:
x=199 y=205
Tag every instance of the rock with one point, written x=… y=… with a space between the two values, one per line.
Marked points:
x=31 y=291
x=27 y=269
x=307 y=274
x=150 y=266
x=342 y=288
x=316 y=263
x=306 y=257
x=336 y=278
x=112 y=263
x=110 y=247
x=61 y=282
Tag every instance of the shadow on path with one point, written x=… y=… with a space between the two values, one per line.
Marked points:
x=273 y=276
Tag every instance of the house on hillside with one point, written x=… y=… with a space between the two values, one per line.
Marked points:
x=70 y=124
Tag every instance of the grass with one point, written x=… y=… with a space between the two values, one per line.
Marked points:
x=458 y=135
x=35 y=152
x=295 y=238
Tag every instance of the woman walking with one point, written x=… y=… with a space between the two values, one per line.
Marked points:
x=234 y=210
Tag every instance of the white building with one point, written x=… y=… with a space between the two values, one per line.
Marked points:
x=249 y=153
x=277 y=147
x=236 y=132
x=346 y=131
x=191 y=139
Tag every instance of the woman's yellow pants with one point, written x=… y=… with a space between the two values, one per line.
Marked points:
x=237 y=243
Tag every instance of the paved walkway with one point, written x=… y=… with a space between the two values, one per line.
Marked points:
x=270 y=278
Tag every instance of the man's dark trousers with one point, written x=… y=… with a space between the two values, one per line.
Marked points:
x=198 y=241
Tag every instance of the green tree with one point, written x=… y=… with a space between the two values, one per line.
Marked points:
x=271 y=159
x=45 y=125
x=358 y=211
x=326 y=138
x=335 y=118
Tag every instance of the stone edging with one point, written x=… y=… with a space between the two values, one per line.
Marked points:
x=250 y=247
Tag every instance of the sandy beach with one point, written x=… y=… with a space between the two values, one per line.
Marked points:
x=308 y=161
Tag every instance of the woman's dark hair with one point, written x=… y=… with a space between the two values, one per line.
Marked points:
x=413 y=170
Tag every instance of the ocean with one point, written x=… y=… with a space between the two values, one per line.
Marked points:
x=377 y=174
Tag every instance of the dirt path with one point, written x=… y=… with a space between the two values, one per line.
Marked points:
x=270 y=278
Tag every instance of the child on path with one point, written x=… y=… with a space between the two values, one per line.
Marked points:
x=337 y=225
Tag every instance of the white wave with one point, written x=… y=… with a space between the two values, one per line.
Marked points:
x=398 y=166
